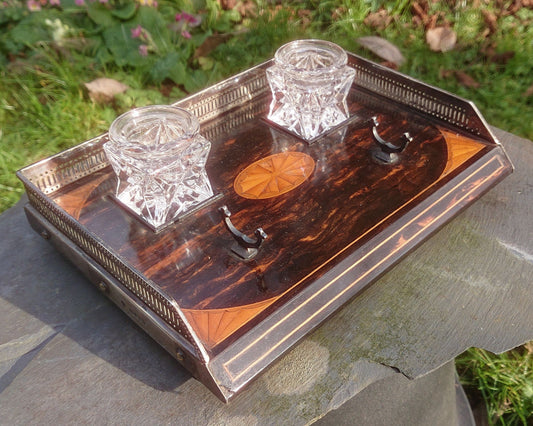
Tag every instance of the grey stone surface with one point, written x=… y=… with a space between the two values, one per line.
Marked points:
x=432 y=401
x=67 y=355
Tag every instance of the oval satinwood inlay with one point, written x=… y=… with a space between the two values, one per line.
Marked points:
x=274 y=175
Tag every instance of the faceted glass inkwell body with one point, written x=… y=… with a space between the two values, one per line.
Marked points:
x=159 y=159
x=309 y=81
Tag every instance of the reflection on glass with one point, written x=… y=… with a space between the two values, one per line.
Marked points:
x=159 y=159
x=309 y=81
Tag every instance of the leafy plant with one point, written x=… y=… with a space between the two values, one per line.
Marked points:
x=157 y=41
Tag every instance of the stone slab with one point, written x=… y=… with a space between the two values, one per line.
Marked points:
x=68 y=355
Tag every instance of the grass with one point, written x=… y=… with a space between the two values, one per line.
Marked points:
x=501 y=383
x=45 y=111
x=44 y=107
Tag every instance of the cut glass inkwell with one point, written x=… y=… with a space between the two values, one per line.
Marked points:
x=159 y=159
x=310 y=80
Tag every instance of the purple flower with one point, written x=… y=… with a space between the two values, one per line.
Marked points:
x=186 y=34
x=33 y=5
x=143 y=50
x=79 y=2
x=55 y=2
x=137 y=32
x=188 y=18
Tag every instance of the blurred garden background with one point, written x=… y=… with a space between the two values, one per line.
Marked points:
x=69 y=67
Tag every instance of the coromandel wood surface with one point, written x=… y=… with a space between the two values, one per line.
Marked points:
x=344 y=198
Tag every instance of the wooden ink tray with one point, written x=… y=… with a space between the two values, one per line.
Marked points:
x=333 y=226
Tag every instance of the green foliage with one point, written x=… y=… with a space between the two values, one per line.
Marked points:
x=219 y=20
x=504 y=382
x=264 y=35
x=156 y=42
x=43 y=110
